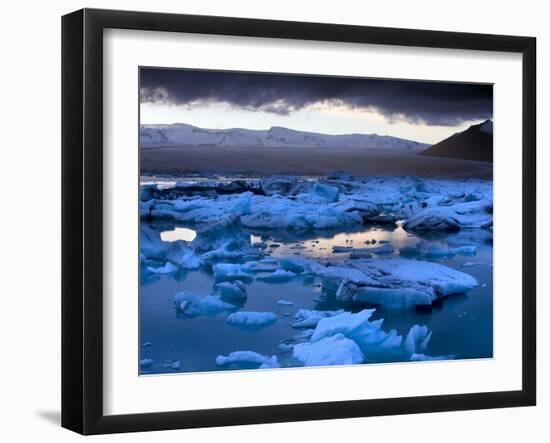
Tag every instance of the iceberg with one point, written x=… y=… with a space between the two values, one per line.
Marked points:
x=417 y=340
x=306 y=318
x=472 y=214
x=391 y=298
x=247 y=360
x=151 y=245
x=168 y=268
x=195 y=305
x=326 y=192
x=402 y=283
x=262 y=265
x=172 y=364
x=368 y=335
x=280 y=275
x=296 y=264
x=333 y=350
x=284 y=213
x=184 y=256
x=146 y=362
x=234 y=291
x=231 y=271
x=430 y=251
x=251 y=319
x=285 y=302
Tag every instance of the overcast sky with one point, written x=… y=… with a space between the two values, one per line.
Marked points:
x=416 y=110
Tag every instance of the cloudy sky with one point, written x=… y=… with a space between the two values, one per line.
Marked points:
x=416 y=110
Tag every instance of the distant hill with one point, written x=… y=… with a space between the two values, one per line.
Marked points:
x=475 y=143
x=180 y=134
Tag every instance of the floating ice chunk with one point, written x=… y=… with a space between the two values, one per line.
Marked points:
x=243 y=205
x=341 y=249
x=195 y=305
x=430 y=251
x=336 y=274
x=433 y=219
x=251 y=319
x=247 y=360
x=424 y=357
x=285 y=347
x=286 y=213
x=296 y=264
x=333 y=350
x=231 y=271
x=280 y=275
x=423 y=276
x=172 y=364
x=150 y=243
x=147 y=344
x=278 y=185
x=356 y=204
x=168 y=268
x=306 y=318
x=392 y=298
x=285 y=302
x=184 y=256
x=327 y=192
x=232 y=290
x=368 y=335
x=473 y=214
x=417 y=339
x=145 y=208
x=261 y=266
x=146 y=362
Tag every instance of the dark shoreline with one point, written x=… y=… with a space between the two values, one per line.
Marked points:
x=178 y=161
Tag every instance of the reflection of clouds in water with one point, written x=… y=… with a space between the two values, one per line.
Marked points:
x=321 y=246
x=178 y=234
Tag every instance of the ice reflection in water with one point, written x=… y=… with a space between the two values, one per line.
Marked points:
x=186 y=234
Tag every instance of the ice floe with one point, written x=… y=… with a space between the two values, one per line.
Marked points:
x=231 y=271
x=146 y=362
x=247 y=360
x=194 y=305
x=168 y=268
x=278 y=276
x=333 y=350
x=306 y=318
x=430 y=251
x=251 y=319
x=233 y=291
x=399 y=282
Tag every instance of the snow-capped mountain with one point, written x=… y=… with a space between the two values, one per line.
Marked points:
x=187 y=135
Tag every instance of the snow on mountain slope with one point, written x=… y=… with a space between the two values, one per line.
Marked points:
x=183 y=134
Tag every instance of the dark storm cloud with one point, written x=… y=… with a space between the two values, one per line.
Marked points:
x=435 y=103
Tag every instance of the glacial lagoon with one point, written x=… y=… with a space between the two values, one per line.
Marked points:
x=243 y=273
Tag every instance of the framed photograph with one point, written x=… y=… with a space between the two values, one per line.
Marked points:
x=269 y=221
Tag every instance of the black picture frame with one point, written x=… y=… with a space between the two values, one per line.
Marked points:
x=82 y=220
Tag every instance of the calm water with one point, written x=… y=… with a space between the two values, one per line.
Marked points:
x=462 y=325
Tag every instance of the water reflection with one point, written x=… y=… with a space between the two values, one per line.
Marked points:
x=186 y=234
